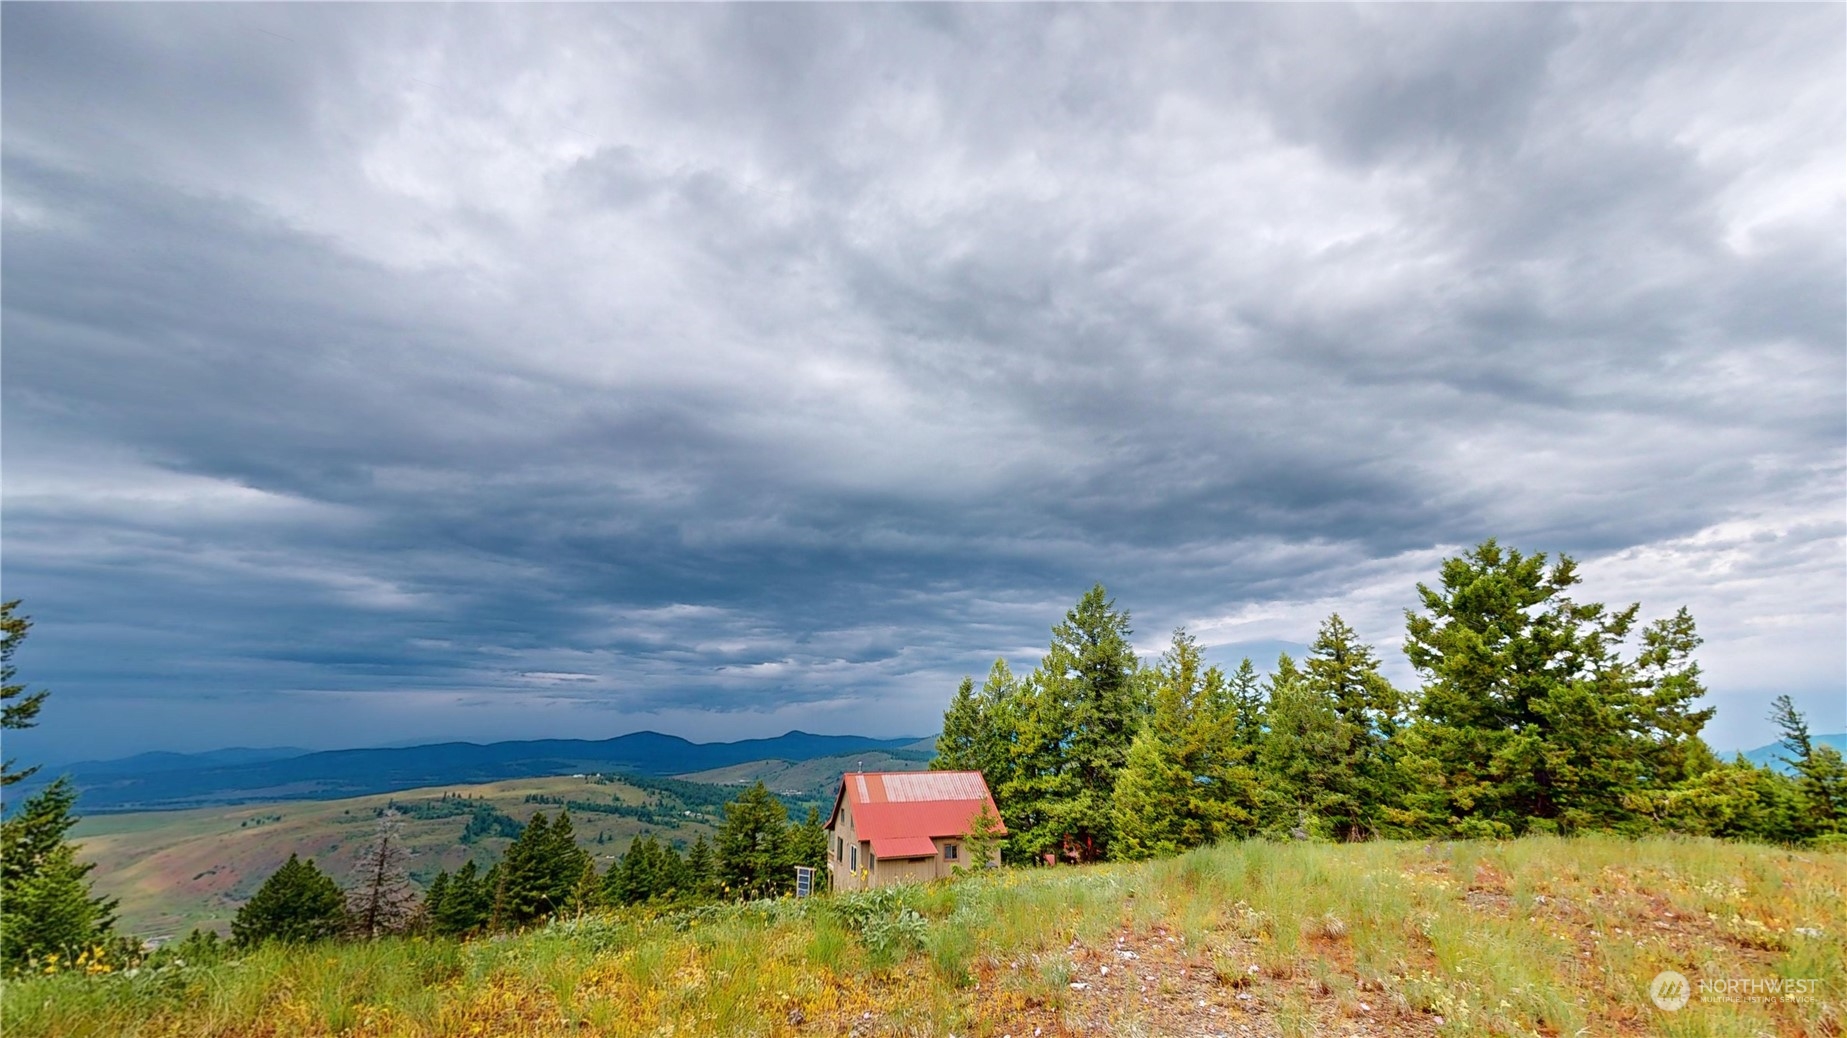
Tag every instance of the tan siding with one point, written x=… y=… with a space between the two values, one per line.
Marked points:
x=890 y=871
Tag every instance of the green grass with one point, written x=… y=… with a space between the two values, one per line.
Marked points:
x=1542 y=936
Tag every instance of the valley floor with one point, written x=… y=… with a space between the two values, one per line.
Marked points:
x=1530 y=937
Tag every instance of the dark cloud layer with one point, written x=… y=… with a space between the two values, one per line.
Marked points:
x=379 y=373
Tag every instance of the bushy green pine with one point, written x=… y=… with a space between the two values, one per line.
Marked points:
x=701 y=869
x=1187 y=781
x=587 y=895
x=463 y=904
x=1344 y=672
x=956 y=747
x=753 y=854
x=541 y=869
x=1529 y=718
x=298 y=902
x=1246 y=689
x=978 y=728
x=1080 y=712
x=808 y=842
x=1821 y=775
x=649 y=871
x=1305 y=773
x=46 y=905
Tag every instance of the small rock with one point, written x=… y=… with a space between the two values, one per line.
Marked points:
x=1079 y=986
x=1244 y=996
x=1439 y=1021
x=1364 y=1008
x=1103 y=970
x=797 y=1017
x=1809 y=931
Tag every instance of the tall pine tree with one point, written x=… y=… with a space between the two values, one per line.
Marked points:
x=753 y=855
x=1344 y=672
x=1306 y=774
x=1187 y=779
x=1079 y=713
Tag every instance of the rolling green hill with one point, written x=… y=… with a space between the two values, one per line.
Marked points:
x=812 y=780
x=174 y=870
x=161 y=782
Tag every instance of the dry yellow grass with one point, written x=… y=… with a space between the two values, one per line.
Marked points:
x=1531 y=937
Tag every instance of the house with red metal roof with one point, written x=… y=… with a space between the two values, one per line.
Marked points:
x=905 y=826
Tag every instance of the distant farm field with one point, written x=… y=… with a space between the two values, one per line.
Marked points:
x=176 y=870
x=1540 y=936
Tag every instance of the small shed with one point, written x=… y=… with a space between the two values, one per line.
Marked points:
x=898 y=826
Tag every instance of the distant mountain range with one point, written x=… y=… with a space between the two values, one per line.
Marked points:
x=1767 y=756
x=173 y=781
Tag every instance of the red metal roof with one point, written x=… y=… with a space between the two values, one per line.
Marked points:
x=904 y=847
x=891 y=805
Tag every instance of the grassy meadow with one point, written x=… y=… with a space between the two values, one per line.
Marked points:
x=176 y=870
x=1539 y=936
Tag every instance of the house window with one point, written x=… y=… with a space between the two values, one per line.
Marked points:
x=839 y=848
x=949 y=852
x=855 y=865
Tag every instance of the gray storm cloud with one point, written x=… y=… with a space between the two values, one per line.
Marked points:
x=374 y=373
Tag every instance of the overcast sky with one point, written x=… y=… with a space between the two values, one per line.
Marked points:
x=386 y=374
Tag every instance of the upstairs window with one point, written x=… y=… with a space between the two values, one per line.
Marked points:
x=949 y=852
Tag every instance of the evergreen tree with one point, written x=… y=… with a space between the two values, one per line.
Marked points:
x=807 y=844
x=1306 y=775
x=587 y=896
x=382 y=900
x=1821 y=775
x=433 y=897
x=649 y=871
x=539 y=872
x=1246 y=689
x=465 y=903
x=298 y=902
x=565 y=861
x=1344 y=672
x=45 y=894
x=978 y=727
x=18 y=709
x=1080 y=712
x=1734 y=800
x=1150 y=798
x=1187 y=780
x=753 y=846
x=1529 y=718
x=983 y=839
x=701 y=869
x=962 y=722
x=501 y=911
